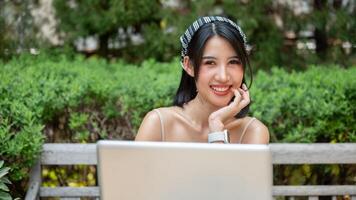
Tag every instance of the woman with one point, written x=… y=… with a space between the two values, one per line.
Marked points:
x=212 y=100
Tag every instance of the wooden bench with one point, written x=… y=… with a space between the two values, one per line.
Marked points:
x=85 y=154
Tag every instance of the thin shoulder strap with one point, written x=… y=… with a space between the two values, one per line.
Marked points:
x=160 y=119
x=244 y=131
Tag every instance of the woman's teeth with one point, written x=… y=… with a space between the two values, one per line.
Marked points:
x=220 y=89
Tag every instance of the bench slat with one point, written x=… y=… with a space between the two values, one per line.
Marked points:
x=69 y=154
x=74 y=198
x=317 y=153
x=345 y=153
x=69 y=192
x=313 y=191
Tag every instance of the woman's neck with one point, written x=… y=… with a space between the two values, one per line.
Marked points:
x=198 y=110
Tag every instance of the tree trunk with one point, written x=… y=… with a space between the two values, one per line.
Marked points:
x=337 y=4
x=104 y=45
x=320 y=34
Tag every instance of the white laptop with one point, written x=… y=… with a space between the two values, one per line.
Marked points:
x=131 y=170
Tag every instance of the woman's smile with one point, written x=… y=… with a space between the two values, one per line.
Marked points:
x=221 y=90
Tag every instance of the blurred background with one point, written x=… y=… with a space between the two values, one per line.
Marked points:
x=282 y=32
x=76 y=71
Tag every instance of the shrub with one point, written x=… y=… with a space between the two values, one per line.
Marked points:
x=60 y=100
x=311 y=106
x=305 y=107
x=4 y=190
x=73 y=101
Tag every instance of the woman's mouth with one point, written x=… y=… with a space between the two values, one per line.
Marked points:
x=221 y=90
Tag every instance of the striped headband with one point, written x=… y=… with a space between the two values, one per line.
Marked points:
x=188 y=35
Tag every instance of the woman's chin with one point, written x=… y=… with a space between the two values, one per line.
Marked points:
x=220 y=105
x=217 y=101
x=221 y=102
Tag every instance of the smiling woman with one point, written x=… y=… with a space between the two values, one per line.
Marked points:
x=212 y=101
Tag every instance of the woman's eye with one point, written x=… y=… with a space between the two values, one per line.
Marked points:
x=235 y=62
x=209 y=62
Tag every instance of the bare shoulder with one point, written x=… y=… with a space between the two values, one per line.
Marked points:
x=256 y=133
x=150 y=129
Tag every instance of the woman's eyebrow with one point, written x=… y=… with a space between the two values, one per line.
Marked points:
x=237 y=57
x=212 y=57
x=208 y=57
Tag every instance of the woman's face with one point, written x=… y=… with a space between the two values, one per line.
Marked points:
x=220 y=71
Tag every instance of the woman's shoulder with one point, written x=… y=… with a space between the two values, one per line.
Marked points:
x=148 y=129
x=167 y=112
x=154 y=121
x=168 y=108
x=158 y=115
x=253 y=130
x=256 y=132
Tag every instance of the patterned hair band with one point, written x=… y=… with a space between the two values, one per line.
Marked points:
x=188 y=35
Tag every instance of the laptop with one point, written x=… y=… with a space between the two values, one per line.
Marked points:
x=130 y=170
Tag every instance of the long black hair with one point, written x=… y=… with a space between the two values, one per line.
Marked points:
x=187 y=88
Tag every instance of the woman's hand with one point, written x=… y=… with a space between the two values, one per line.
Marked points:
x=218 y=118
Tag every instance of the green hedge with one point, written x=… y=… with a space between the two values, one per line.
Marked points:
x=314 y=106
x=60 y=100
x=68 y=100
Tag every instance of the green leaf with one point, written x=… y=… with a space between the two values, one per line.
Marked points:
x=5 y=196
x=4 y=171
x=5 y=180
x=3 y=187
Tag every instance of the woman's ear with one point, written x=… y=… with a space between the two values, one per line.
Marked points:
x=187 y=66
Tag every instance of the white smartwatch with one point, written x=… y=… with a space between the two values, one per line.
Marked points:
x=222 y=136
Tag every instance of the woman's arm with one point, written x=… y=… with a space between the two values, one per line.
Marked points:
x=256 y=133
x=150 y=128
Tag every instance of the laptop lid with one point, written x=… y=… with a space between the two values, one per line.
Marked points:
x=131 y=170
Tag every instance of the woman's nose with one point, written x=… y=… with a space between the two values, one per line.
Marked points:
x=222 y=74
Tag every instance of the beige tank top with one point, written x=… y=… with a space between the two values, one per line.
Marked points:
x=163 y=134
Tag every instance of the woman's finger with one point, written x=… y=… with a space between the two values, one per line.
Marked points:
x=228 y=111
x=233 y=108
x=242 y=99
x=244 y=87
x=237 y=98
x=246 y=95
x=245 y=99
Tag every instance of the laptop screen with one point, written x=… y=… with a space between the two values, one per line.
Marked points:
x=175 y=171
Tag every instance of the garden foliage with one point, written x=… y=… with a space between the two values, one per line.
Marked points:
x=60 y=100
x=4 y=181
x=276 y=30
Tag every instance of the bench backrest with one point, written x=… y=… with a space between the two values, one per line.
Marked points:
x=85 y=154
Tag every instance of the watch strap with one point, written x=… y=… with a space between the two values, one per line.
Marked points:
x=221 y=136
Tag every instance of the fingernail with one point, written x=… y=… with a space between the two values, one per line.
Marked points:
x=244 y=86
